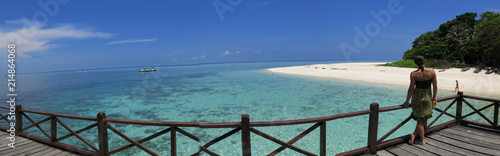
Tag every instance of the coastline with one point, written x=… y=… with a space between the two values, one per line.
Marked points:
x=469 y=82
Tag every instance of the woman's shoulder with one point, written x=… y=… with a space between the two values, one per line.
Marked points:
x=430 y=69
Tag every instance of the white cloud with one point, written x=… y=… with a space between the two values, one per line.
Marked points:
x=226 y=53
x=237 y=52
x=257 y=52
x=32 y=37
x=132 y=41
x=194 y=58
x=203 y=56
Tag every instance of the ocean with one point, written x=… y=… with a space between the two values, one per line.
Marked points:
x=209 y=93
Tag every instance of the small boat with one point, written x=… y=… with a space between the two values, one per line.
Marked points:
x=465 y=69
x=477 y=70
x=147 y=70
x=82 y=71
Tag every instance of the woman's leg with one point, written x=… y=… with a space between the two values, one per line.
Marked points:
x=413 y=135
x=421 y=131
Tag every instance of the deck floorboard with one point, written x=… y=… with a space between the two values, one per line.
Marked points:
x=453 y=141
x=24 y=146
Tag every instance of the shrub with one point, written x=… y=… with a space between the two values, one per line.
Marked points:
x=439 y=64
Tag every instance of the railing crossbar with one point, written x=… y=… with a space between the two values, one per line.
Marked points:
x=76 y=134
x=268 y=137
x=442 y=112
x=206 y=151
x=130 y=139
x=5 y=117
x=178 y=129
x=445 y=113
x=78 y=131
x=393 y=130
x=297 y=138
x=141 y=141
x=478 y=112
x=222 y=137
x=37 y=126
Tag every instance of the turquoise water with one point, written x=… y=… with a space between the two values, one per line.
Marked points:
x=212 y=93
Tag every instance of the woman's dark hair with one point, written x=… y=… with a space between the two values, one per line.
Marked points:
x=419 y=61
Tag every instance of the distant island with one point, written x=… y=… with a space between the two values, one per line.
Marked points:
x=463 y=41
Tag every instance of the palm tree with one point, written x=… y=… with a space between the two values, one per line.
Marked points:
x=459 y=39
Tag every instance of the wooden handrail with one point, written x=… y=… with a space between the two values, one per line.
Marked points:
x=60 y=115
x=245 y=126
x=481 y=98
x=309 y=120
x=151 y=123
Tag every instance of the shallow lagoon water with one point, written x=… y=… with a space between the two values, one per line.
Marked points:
x=213 y=93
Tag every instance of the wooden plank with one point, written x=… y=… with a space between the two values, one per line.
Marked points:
x=474 y=135
x=471 y=139
x=398 y=151
x=449 y=147
x=476 y=131
x=36 y=150
x=64 y=153
x=3 y=148
x=10 y=150
x=4 y=139
x=436 y=150
x=45 y=151
x=415 y=150
x=384 y=153
x=54 y=152
x=24 y=150
x=465 y=145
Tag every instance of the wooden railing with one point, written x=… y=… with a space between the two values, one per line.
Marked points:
x=245 y=126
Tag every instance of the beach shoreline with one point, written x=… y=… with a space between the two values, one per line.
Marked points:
x=369 y=72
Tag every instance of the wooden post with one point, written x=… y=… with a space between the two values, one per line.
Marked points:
x=495 y=116
x=245 y=135
x=19 y=119
x=373 y=128
x=53 y=129
x=458 y=118
x=322 y=139
x=173 y=143
x=102 y=133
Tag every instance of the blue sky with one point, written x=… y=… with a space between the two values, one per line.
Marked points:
x=67 y=34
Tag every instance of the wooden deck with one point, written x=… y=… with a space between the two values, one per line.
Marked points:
x=456 y=140
x=29 y=147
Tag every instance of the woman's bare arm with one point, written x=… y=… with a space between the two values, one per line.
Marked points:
x=434 y=85
x=410 y=91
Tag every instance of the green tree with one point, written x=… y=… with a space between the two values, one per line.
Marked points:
x=460 y=40
x=489 y=40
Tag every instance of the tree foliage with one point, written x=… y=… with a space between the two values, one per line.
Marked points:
x=462 y=39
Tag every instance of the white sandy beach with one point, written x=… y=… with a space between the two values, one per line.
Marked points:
x=369 y=72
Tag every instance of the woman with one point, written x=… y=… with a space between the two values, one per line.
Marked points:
x=421 y=97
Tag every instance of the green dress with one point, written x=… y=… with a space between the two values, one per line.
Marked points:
x=421 y=101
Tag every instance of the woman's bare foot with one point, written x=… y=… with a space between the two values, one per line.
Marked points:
x=412 y=138
x=424 y=142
